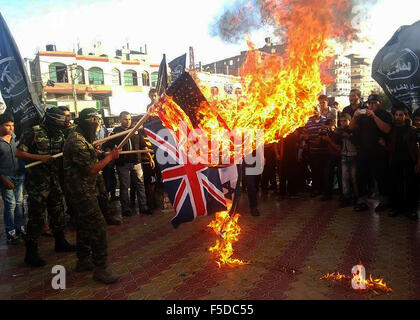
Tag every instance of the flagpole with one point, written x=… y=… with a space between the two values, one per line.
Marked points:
x=58 y=155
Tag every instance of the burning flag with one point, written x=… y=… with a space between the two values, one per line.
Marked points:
x=194 y=189
x=396 y=67
x=15 y=87
x=358 y=280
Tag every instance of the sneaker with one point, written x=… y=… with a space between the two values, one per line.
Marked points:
x=381 y=207
x=361 y=207
x=13 y=238
x=105 y=275
x=21 y=232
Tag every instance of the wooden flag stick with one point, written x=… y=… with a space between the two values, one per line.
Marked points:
x=129 y=133
x=58 y=155
x=134 y=151
x=135 y=128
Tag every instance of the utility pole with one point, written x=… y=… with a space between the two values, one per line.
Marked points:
x=192 y=60
x=74 y=76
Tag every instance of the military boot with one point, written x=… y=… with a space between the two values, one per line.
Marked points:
x=32 y=257
x=112 y=220
x=105 y=275
x=61 y=244
x=84 y=265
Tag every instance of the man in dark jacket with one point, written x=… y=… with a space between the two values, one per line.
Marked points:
x=128 y=166
x=404 y=158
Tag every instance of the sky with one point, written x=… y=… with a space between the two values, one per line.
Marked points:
x=166 y=26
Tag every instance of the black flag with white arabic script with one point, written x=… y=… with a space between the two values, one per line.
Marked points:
x=16 y=89
x=177 y=66
x=396 y=67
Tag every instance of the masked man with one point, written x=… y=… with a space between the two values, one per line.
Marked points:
x=42 y=183
x=81 y=167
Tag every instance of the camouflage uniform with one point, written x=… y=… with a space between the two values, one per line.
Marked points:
x=66 y=133
x=43 y=181
x=79 y=158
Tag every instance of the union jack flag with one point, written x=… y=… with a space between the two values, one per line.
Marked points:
x=193 y=189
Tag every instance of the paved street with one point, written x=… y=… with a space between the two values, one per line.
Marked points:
x=290 y=247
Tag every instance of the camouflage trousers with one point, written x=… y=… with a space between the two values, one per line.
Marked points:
x=90 y=230
x=103 y=198
x=44 y=197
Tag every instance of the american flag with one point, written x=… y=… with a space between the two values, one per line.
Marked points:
x=193 y=189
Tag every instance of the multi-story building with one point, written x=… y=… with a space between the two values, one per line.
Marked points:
x=111 y=84
x=231 y=66
x=340 y=71
x=361 y=75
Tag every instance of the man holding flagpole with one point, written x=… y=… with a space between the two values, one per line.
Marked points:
x=42 y=183
x=81 y=167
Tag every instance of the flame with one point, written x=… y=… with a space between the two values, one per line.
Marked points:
x=278 y=91
x=371 y=284
x=335 y=277
x=227 y=227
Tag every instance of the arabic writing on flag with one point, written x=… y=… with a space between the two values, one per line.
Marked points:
x=396 y=67
x=177 y=66
x=15 y=87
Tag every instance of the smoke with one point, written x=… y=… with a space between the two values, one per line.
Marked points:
x=245 y=16
x=237 y=20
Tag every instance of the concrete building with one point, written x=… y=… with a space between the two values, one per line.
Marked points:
x=220 y=85
x=111 y=84
x=361 y=75
x=231 y=66
x=340 y=71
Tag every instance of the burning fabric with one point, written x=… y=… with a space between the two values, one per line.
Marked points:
x=358 y=281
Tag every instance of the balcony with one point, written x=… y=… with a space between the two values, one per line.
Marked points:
x=66 y=88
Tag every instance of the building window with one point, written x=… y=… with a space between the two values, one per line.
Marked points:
x=80 y=74
x=146 y=79
x=96 y=76
x=154 y=77
x=58 y=72
x=130 y=78
x=116 y=77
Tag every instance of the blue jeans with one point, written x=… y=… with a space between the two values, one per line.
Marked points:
x=349 y=170
x=13 y=203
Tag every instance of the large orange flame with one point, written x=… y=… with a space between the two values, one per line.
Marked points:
x=279 y=92
x=227 y=227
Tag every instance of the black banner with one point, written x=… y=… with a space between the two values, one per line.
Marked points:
x=177 y=66
x=396 y=67
x=162 y=82
x=16 y=89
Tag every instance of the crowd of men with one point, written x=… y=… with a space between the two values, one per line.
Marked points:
x=362 y=150
x=82 y=180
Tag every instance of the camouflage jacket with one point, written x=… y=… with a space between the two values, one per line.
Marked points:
x=79 y=158
x=68 y=130
x=37 y=140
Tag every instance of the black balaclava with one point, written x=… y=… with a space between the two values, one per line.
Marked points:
x=54 y=120
x=88 y=128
